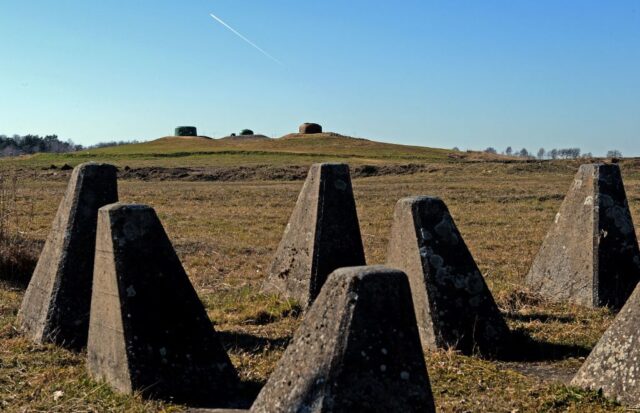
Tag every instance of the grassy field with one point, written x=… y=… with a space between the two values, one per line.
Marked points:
x=226 y=232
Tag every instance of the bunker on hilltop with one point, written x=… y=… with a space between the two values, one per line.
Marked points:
x=454 y=307
x=323 y=234
x=149 y=332
x=357 y=350
x=186 y=131
x=590 y=255
x=56 y=304
x=309 y=128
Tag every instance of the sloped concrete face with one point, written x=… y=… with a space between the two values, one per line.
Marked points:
x=149 y=332
x=56 y=304
x=590 y=255
x=323 y=234
x=613 y=363
x=357 y=350
x=454 y=307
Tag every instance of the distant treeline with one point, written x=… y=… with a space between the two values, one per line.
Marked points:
x=565 y=153
x=28 y=144
x=20 y=145
x=110 y=143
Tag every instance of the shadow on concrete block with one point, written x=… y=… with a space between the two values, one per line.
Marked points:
x=56 y=304
x=590 y=255
x=357 y=350
x=149 y=332
x=453 y=304
x=323 y=234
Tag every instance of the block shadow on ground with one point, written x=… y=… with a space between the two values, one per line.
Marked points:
x=543 y=318
x=234 y=340
x=18 y=259
x=249 y=342
x=526 y=348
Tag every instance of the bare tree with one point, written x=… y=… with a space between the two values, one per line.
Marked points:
x=569 y=153
x=575 y=152
x=553 y=153
x=541 y=153
x=491 y=150
x=614 y=153
x=509 y=150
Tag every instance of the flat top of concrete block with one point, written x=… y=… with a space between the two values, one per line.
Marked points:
x=365 y=271
x=330 y=165
x=432 y=204
x=419 y=198
x=125 y=206
x=599 y=165
x=96 y=165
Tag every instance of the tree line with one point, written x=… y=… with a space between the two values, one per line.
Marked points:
x=28 y=144
x=564 y=153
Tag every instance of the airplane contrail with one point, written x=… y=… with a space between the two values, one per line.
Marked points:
x=219 y=20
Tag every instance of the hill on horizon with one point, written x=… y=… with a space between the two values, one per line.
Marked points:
x=291 y=149
x=327 y=143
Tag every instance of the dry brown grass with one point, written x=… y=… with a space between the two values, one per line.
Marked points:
x=18 y=254
x=226 y=233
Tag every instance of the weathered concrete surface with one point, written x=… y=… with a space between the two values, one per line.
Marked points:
x=613 y=364
x=590 y=255
x=149 y=331
x=357 y=350
x=453 y=304
x=322 y=235
x=56 y=304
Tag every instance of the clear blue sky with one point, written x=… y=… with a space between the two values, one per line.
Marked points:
x=472 y=74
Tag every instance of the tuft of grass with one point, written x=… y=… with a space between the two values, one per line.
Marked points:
x=570 y=399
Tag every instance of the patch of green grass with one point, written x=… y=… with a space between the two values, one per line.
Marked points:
x=570 y=399
x=246 y=306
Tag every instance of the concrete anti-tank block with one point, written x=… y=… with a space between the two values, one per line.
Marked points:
x=56 y=304
x=454 y=307
x=149 y=332
x=590 y=255
x=323 y=234
x=357 y=350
